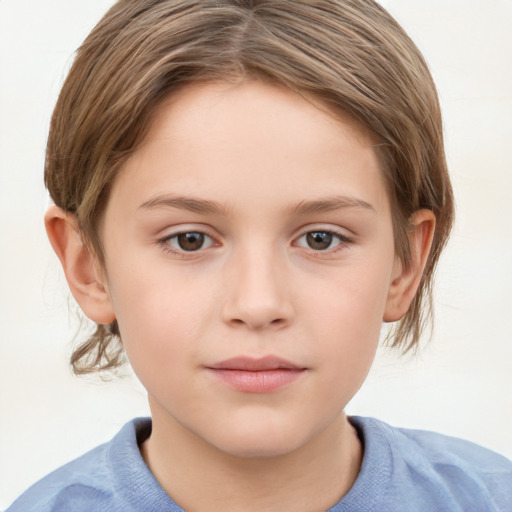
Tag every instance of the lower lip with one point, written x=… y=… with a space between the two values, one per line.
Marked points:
x=264 y=381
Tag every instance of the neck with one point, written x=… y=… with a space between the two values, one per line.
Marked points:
x=200 y=477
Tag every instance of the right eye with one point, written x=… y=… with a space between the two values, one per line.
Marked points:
x=189 y=241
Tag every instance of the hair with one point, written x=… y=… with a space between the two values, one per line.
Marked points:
x=351 y=55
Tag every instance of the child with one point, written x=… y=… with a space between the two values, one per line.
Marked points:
x=244 y=191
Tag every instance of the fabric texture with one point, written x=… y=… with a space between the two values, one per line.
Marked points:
x=403 y=471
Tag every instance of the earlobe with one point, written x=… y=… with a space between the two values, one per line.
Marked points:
x=81 y=267
x=407 y=279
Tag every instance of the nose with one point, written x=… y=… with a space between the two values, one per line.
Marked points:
x=257 y=292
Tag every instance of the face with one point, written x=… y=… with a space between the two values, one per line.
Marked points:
x=249 y=256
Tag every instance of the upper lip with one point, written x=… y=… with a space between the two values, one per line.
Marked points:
x=253 y=364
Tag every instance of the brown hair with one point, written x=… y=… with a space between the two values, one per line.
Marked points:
x=350 y=54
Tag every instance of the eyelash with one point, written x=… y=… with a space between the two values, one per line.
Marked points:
x=343 y=241
x=167 y=247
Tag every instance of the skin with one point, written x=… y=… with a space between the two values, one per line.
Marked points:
x=275 y=167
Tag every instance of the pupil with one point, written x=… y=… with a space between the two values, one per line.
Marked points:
x=319 y=240
x=190 y=241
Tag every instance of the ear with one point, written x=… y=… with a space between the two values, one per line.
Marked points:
x=407 y=279
x=83 y=271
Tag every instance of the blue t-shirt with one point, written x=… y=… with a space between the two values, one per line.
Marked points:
x=403 y=471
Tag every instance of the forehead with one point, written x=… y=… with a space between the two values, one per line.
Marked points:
x=245 y=106
x=252 y=141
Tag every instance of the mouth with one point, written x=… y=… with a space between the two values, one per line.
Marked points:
x=256 y=375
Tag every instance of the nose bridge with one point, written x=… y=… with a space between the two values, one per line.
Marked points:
x=257 y=295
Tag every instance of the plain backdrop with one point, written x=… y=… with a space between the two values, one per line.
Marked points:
x=461 y=382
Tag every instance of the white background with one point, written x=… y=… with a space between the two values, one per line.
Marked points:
x=460 y=384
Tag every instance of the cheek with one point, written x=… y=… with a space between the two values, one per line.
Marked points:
x=353 y=300
x=347 y=316
x=159 y=318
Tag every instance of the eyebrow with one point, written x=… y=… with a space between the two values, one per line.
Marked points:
x=184 y=203
x=211 y=207
x=331 y=204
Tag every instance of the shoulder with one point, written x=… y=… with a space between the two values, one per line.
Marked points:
x=439 y=470
x=100 y=480
x=88 y=475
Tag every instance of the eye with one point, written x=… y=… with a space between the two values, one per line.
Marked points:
x=189 y=241
x=321 y=240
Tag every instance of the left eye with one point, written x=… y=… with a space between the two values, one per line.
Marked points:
x=189 y=241
x=320 y=240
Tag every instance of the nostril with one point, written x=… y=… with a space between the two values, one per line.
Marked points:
x=258 y=323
